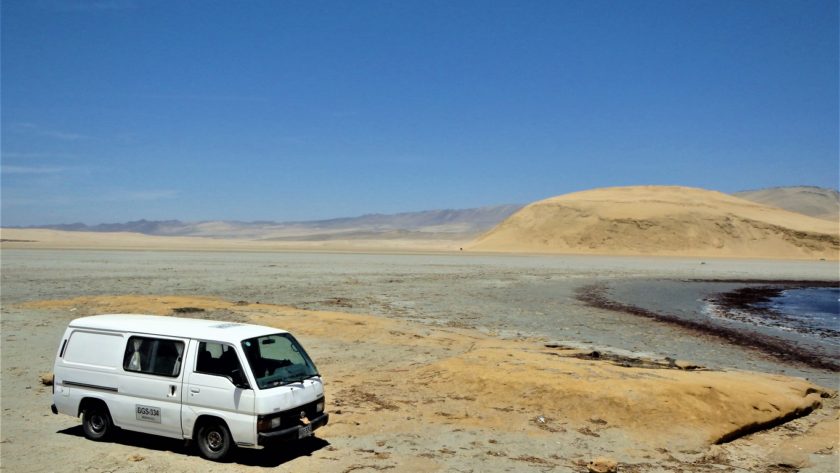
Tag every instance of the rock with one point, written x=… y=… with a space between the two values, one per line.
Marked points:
x=602 y=465
x=716 y=454
x=788 y=457
x=46 y=378
x=187 y=310
x=687 y=365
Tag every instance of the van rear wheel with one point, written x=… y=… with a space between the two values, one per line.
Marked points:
x=96 y=422
x=214 y=440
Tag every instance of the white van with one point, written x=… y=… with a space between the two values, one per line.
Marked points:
x=220 y=384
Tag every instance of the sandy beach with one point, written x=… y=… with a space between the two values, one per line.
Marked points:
x=440 y=362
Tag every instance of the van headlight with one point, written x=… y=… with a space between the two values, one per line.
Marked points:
x=266 y=423
x=320 y=406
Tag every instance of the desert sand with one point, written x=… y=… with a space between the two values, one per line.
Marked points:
x=411 y=397
x=658 y=220
x=59 y=239
x=435 y=363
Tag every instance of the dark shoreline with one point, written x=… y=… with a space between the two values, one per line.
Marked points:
x=595 y=295
x=784 y=283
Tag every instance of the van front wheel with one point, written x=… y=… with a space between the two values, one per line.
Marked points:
x=96 y=422
x=214 y=441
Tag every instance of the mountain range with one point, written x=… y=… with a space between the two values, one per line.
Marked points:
x=430 y=224
x=816 y=202
x=461 y=224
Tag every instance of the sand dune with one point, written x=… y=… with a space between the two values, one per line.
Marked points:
x=660 y=220
x=814 y=201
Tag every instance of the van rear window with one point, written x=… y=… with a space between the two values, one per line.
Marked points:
x=153 y=356
x=94 y=349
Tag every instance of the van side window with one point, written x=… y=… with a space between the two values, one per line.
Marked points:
x=94 y=349
x=153 y=356
x=216 y=359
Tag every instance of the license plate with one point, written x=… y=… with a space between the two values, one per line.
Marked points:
x=305 y=431
x=147 y=413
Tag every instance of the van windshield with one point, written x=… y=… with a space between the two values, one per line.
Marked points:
x=278 y=359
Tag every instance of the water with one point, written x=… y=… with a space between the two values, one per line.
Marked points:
x=815 y=307
x=807 y=315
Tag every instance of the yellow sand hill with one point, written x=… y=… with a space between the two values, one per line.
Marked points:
x=661 y=220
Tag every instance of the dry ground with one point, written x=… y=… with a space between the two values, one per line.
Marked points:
x=406 y=396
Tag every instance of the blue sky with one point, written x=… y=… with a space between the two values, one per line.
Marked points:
x=115 y=110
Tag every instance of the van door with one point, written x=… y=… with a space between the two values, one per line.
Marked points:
x=150 y=390
x=209 y=390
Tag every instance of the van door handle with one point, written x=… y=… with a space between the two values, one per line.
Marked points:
x=194 y=390
x=172 y=389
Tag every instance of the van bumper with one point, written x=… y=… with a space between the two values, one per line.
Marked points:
x=54 y=409
x=292 y=433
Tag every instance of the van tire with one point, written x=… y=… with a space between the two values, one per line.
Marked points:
x=96 y=422
x=214 y=440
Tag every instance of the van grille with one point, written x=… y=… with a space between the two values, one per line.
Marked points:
x=292 y=416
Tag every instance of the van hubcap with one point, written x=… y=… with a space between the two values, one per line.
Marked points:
x=97 y=423
x=214 y=440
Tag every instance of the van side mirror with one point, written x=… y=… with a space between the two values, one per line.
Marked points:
x=237 y=377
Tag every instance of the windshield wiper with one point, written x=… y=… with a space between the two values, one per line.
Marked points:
x=302 y=378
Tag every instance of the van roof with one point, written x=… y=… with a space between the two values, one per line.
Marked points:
x=212 y=330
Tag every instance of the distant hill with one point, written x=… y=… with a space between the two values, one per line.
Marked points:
x=148 y=227
x=817 y=202
x=431 y=224
x=660 y=220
